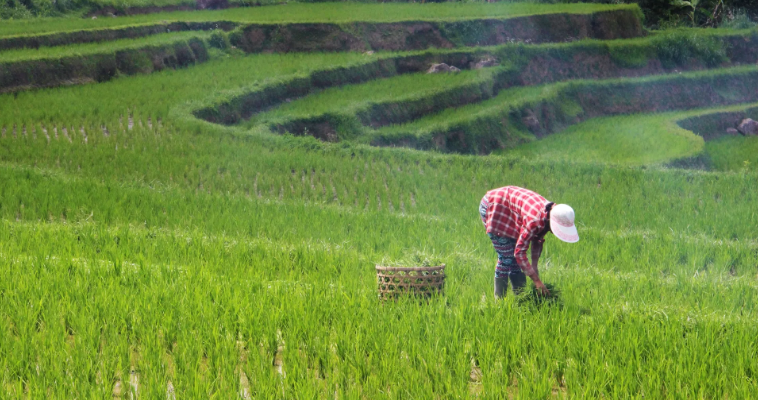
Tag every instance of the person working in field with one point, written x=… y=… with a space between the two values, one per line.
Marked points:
x=515 y=218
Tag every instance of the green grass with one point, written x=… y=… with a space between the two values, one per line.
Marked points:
x=98 y=48
x=322 y=12
x=622 y=140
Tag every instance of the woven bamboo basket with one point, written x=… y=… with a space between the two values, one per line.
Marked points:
x=416 y=281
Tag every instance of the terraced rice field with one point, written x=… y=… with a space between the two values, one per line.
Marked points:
x=209 y=227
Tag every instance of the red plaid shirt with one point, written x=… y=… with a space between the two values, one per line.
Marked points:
x=519 y=214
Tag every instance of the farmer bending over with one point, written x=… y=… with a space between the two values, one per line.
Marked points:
x=516 y=217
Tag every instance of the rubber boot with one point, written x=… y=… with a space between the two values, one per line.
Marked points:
x=518 y=281
x=501 y=285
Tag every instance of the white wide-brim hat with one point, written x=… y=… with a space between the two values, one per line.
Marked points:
x=562 y=223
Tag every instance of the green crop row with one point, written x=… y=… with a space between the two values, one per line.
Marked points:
x=646 y=139
x=20 y=10
x=380 y=102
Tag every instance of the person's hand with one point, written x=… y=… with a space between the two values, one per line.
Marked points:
x=541 y=289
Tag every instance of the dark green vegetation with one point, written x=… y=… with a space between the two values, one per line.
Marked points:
x=147 y=250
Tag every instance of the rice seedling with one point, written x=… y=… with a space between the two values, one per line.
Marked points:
x=532 y=296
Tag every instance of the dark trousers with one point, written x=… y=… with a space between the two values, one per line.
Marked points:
x=507 y=268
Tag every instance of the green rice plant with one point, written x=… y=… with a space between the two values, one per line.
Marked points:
x=147 y=251
x=217 y=255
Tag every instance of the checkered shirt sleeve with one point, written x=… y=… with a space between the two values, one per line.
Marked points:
x=519 y=214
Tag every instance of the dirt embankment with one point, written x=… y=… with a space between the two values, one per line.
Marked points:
x=419 y=35
x=364 y=36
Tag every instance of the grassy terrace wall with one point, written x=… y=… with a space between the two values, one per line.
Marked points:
x=100 y=65
x=359 y=32
x=329 y=13
x=497 y=125
x=241 y=107
x=102 y=35
x=289 y=37
x=418 y=35
x=531 y=65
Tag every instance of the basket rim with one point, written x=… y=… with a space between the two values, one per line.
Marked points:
x=435 y=268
